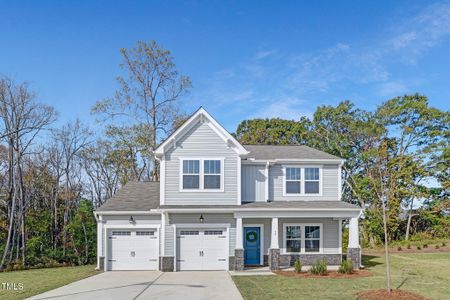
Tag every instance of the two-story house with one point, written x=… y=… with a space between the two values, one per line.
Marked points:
x=221 y=205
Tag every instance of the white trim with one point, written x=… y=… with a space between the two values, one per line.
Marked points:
x=266 y=187
x=340 y=235
x=330 y=161
x=203 y=225
x=261 y=240
x=201 y=115
x=162 y=180
x=201 y=174
x=239 y=181
x=340 y=182
x=303 y=238
x=303 y=181
x=127 y=212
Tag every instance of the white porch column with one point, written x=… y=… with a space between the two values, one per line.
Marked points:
x=353 y=234
x=100 y=240
x=274 y=236
x=239 y=239
x=163 y=233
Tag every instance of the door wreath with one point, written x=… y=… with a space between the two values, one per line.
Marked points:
x=251 y=236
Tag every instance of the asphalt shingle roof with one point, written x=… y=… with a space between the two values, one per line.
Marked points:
x=286 y=152
x=134 y=196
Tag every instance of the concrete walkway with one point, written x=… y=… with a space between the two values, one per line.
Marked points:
x=123 y=285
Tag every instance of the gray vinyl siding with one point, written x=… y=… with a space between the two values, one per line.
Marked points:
x=169 y=242
x=201 y=142
x=330 y=230
x=253 y=183
x=330 y=182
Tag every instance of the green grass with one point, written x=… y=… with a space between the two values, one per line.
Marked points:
x=427 y=274
x=41 y=280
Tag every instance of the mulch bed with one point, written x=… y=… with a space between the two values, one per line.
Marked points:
x=330 y=274
x=384 y=295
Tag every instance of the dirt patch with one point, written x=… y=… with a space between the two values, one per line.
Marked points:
x=331 y=274
x=384 y=295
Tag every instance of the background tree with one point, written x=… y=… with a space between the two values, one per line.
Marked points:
x=146 y=102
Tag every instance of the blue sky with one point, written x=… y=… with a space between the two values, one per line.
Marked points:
x=246 y=59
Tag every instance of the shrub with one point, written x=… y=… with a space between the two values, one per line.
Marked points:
x=418 y=247
x=425 y=245
x=399 y=248
x=409 y=246
x=444 y=244
x=319 y=268
x=346 y=267
x=436 y=247
x=298 y=266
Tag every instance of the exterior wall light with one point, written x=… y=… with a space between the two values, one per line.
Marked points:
x=132 y=221
x=201 y=219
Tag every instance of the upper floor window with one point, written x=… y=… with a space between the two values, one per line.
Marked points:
x=299 y=181
x=293 y=182
x=211 y=174
x=191 y=174
x=312 y=180
x=201 y=175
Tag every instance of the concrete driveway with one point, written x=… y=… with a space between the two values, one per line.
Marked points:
x=124 y=285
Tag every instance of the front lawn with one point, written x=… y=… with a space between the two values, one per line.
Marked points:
x=427 y=274
x=41 y=280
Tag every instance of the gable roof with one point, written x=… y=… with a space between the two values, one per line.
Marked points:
x=295 y=152
x=201 y=115
x=134 y=196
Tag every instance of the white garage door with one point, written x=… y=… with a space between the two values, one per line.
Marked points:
x=202 y=249
x=133 y=249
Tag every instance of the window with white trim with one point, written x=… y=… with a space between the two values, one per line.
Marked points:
x=293 y=180
x=312 y=238
x=302 y=181
x=302 y=238
x=191 y=174
x=293 y=235
x=212 y=174
x=312 y=180
x=202 y=175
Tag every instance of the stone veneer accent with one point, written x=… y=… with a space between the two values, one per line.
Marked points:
x=274 y=259
x=166 y=263
x=266 y=260
x=238 y=259
x=231 y=263
x=354 y=254
x=101 y=263
x=287 y=260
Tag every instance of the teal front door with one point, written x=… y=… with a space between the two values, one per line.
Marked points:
x=252 y=242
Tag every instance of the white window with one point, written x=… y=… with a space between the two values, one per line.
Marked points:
x=201 y=175
x=312 y=238
x=293 y=182
x=302 y=238
x=212 y=174
x=293 y=235
x=191 y=174
x=312 y=181
x=302 y=181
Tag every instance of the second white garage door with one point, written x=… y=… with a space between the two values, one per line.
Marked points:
x=202 y=249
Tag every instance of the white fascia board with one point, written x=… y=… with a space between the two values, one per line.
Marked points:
x=202 y=114
x=127 y=212
x=308 y=160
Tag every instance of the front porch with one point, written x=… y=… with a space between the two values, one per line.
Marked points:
x=281 y=239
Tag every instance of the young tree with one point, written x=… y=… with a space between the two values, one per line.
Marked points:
x=22 y=119
x=145 y=102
